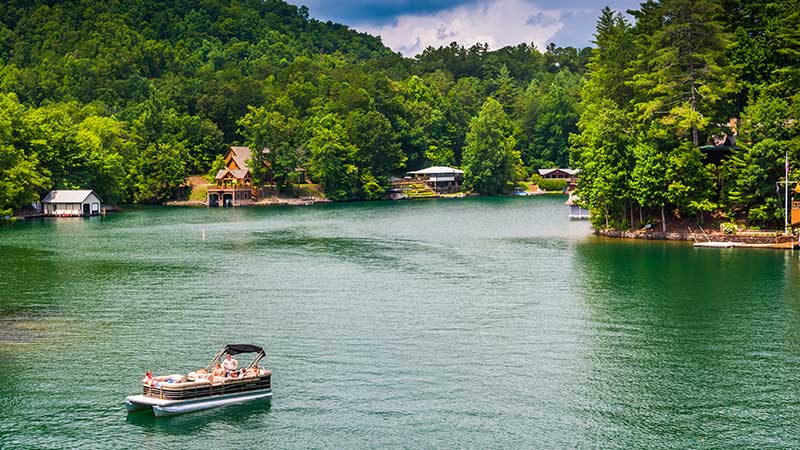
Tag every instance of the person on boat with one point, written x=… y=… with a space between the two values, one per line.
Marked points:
x=217 y=372
x=229 y=364
x=252 y=372
x=148 y=378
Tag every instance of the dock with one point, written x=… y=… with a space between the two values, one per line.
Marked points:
x=780 y=246
x=715 y=244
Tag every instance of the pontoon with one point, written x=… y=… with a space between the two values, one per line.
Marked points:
x=177 y=394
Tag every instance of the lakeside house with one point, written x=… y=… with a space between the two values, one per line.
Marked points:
x=576 y=211
x=443 y=180
x=234 y=183
x=71 y=203
x=570 y=176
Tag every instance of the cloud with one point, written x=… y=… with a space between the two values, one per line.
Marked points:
x=496 y=22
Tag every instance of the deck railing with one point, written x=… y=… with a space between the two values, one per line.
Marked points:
x=187 y=391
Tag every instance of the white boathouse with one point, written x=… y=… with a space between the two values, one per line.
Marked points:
x=71 y=203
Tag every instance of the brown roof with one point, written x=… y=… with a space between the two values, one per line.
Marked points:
x=240 y=155
x=237 y=173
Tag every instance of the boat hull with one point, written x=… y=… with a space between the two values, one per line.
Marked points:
x=162 y=408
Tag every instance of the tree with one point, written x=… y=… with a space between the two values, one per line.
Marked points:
x=21 y=177
x=488 y=154
x=682 y=73
x=649 y=181
x=504 y=89
x=608 y=76
x=331 y=161
x=281 y=135
x=602 y=152
x=548 y=113
x=377 y=147
x=158 y=171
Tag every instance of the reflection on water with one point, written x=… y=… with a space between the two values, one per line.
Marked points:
x=247 y=415
x=693 y=338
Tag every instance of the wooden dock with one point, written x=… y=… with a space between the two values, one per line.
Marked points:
x=780 y=246
x=715 y=244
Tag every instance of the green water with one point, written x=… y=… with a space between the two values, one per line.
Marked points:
x=474 y=323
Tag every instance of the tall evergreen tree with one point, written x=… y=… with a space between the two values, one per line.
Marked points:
x=489 y=152
x=684 y=74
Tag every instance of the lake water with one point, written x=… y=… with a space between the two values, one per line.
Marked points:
x=471 y=323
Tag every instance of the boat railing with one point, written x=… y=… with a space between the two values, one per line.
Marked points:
x=200 y=389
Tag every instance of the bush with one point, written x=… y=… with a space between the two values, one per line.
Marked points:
x=728 y=227
x=548 y=185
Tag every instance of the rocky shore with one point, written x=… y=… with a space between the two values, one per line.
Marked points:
x=742 y=237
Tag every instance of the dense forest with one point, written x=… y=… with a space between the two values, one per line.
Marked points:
x=661 y=91
x=131 y=97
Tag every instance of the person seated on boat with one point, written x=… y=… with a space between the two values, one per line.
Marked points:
x=218 y=372
x=229 y=364
x=253 y=372
x=148 y=378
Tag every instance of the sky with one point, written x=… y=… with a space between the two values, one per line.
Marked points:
x=409 y=26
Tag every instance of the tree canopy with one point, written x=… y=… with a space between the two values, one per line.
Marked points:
x=130 y=98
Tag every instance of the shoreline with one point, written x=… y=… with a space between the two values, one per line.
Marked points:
x=749 y=239
x=273 y=201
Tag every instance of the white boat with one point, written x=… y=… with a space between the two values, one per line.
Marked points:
x=176 y=394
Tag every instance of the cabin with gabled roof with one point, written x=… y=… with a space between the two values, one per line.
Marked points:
x=234 y=183
x=71 y=203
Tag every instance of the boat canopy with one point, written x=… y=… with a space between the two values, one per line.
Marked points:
x=235 y=349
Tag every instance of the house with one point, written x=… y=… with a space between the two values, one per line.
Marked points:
x=441 y=179
x=71 y=203
x=559 y=174
x=570 y=176
x=234 y=183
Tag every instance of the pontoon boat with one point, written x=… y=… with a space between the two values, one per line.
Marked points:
x=177 y=394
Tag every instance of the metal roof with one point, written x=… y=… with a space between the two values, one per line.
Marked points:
x=567 y=171
x=436 y=170
x=68 y=196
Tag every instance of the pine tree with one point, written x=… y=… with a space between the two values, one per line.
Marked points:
x=489 y=152
x=682 y=74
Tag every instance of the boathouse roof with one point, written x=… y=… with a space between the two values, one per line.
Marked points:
x=436 y=170
x=69 y=196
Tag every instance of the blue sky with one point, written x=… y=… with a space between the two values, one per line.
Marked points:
x=408 y=26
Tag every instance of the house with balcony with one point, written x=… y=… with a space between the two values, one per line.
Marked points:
x=443 y=180
x=234 y=183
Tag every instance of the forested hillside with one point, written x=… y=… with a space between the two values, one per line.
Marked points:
x=661 y=91
x=129 y=98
